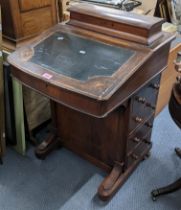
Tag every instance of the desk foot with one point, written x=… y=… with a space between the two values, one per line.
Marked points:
x=48 y=145
x=111 y=183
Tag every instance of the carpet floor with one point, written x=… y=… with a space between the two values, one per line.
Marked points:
x=64 y=181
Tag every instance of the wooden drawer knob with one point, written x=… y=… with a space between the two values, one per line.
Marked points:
x=138 y=119
x=140 y=99
x=134 y=156
x=151 y=106
x=136 y=139
x=155 y=86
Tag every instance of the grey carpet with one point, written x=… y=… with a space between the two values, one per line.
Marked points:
x=66 y=182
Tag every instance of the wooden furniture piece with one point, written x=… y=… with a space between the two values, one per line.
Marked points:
x=24 y=19
x=168 y=77
x=175 y=111
x=21 y=124
x=102 y=74
x=9 y=106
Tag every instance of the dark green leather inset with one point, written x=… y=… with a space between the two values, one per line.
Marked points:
x=79 y=58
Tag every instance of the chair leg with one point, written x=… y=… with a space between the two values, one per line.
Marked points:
x=178 y=152
x=168 y=189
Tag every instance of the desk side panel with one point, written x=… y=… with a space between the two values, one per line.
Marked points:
x=101 y=141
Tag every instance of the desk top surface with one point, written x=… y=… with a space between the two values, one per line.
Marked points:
x=79 y=58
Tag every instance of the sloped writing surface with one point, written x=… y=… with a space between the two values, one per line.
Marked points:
x=79 y=58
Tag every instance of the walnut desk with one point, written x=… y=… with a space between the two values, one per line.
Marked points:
x=101 y=71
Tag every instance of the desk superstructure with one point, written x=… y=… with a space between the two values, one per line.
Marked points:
x=101 y=71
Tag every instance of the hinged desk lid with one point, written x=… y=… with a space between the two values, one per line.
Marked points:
x=75 y=62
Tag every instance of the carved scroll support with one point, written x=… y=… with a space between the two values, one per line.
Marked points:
x=51 y=143
x=112 y=183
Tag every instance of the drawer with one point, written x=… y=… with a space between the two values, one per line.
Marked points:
x=36 y=21
x=26 y=5
x=142 y=134
x=143 y=104
x=140 y=151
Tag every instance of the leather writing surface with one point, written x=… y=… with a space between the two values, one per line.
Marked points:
x=79 y=58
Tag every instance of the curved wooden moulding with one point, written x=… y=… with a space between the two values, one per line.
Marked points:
x=112 y=183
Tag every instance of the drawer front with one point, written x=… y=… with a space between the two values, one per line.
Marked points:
x=144 y=104
x=36 y=21
x=139 y=152
x=140 y=135
x=26 y=5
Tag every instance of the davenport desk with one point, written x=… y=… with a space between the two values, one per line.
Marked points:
x=101 y=71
